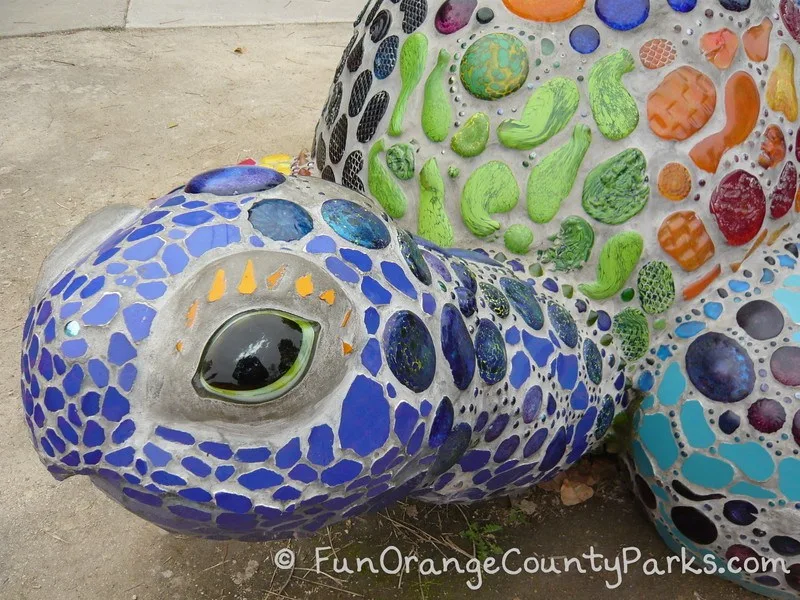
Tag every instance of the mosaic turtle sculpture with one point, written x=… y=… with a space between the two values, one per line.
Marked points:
x=654 y=146
x=256 y=356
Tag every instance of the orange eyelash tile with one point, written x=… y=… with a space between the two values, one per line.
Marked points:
x=682 y=104
x=248 y=283
x=191 y=314
x=328 y=296
x=756 y=41
x=274 y=279
x=217 y=290
x=304 y=286
x=742 y=108
x=684 y=237
x=547 y=11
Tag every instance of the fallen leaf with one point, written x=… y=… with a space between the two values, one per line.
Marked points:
x=574 y=493
x=554 y=484
x=239 y=50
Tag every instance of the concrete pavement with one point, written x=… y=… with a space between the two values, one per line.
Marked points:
x=26 y=17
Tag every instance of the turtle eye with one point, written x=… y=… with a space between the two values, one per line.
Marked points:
x=256 y=356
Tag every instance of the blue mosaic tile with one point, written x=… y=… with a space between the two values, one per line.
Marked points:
x=372 y=320
x=396 y=276
x=208 y=237
x=357 y=258
x=405 y=419
x=233 y=181
x=217 y=450
x=260 y=479
x=90 y=404
x=520 y=370
x=409 y=349
x=175 y=259
x=138 y=320
x=103 y=312
x=174 y=435
x=364 y=425
x=115 y=405
x=152 y=290
x=320 y=445
x=73 y=380
x=98 y=372
x=123 y=432
x=280 y=220
x=144 y=250
x=490 y=352
x=73 y=287
x=303 y=473
x=521 y=298
x=289 y=455
x=252 y=455
x=322 y=244
x=342 y=472
x=457 y=347
x=120 y=349
x=356 y=224
x=340 y=270
x=93 y=434
x=442 y=423
x=496 y=428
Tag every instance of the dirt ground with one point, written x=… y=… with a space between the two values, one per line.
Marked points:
x=95 y=118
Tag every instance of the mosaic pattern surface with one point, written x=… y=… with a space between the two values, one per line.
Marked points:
x=655 y=146
x=258 y=356
x=717 y=451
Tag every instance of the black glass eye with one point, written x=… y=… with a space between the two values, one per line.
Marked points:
x=257 y=356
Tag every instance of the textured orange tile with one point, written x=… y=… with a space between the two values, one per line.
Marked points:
x=683 y=236
x=657 y=53
x=682 y=104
